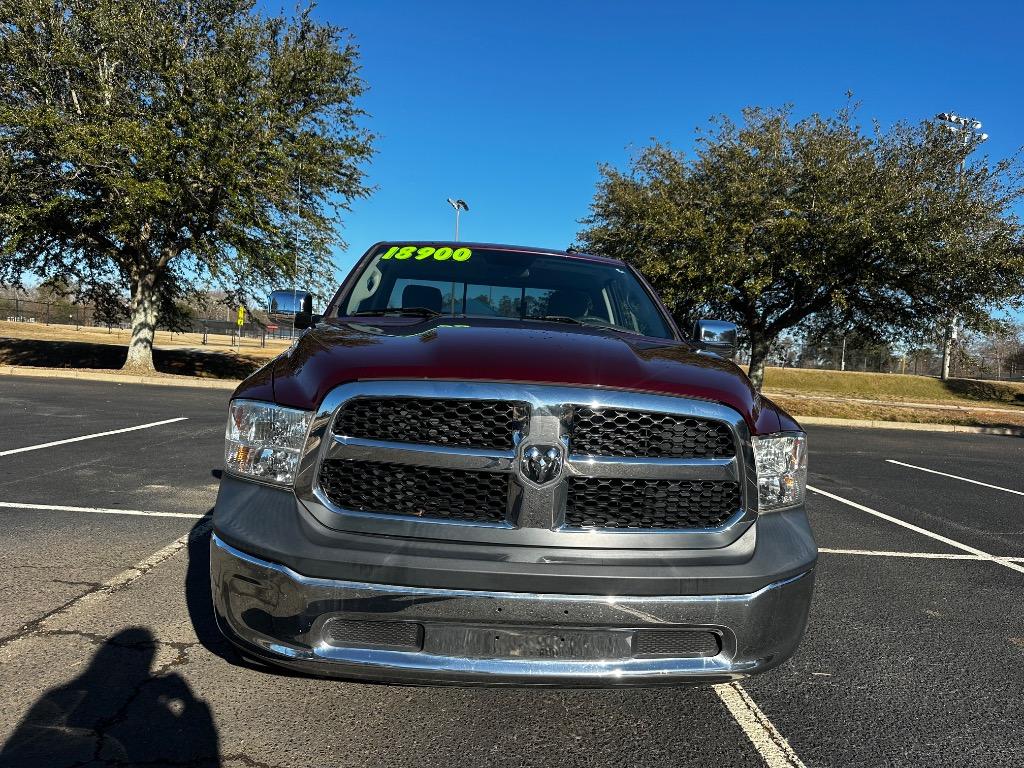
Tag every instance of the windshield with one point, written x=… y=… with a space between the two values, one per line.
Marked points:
x=482 y=282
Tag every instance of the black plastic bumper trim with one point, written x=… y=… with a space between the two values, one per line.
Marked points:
x=271 y=523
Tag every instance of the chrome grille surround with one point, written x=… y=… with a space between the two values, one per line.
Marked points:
x=536 y=514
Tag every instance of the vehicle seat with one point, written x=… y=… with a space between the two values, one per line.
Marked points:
x=568 y=303
x=426 y=296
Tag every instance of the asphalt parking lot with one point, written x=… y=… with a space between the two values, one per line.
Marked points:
x=108 y=655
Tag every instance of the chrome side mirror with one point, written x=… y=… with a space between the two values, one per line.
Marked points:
x=716 y=336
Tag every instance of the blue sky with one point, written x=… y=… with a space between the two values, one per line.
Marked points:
x=512 y=105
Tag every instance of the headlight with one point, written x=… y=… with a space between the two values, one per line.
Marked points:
x=263 y=441
x=781 y=470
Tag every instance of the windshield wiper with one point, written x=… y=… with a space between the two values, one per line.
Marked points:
x=416 y=311
x=554 y=318
x=566 y=319
x=605 y=326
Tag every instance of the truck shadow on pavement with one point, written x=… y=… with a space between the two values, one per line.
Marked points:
x=199 y=601
x=198 y=598
x=118 y=711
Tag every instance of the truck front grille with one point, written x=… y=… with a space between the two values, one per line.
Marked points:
x=619 y=432
x=532 y=465
x=424 y=492
x=458 y=423
x=599 y=502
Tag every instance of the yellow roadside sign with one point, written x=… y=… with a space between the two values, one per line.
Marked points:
x=241 y=316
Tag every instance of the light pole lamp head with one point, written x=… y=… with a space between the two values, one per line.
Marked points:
x=458 y=204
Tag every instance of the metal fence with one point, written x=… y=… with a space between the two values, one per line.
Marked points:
x=19 y=310
x=972 y=361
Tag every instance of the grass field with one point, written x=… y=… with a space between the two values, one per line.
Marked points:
x=896 y=397
x=894 y=387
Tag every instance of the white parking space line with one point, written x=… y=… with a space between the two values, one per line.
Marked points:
x=924 y=532
x=58 y=619
x=886 y=553
x=770 y=744
x=98 y=510
x=90 y=437
x=955 y=477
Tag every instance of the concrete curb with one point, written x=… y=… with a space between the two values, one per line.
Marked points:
x=162 y=381
x=908 y=426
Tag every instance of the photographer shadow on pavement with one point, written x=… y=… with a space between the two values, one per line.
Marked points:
x=117 y=711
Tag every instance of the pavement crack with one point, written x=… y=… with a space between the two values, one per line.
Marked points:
x=251 y=762
x=123 y=580
x=103 y=726
x=31 y=566
x=180 y=658
x=33 y=627
x=93 y=584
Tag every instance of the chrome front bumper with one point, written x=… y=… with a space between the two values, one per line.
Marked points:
x=278 y=615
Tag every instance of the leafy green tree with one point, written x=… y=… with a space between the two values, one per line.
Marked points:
x=159 y=145
x=108 y=306
x=774 y=221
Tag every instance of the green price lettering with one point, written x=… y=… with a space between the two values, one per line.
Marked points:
x=424 y=253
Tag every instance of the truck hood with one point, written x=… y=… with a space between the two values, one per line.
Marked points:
x=503 y=351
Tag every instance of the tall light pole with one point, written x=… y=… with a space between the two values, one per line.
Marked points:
x=966 y=128
x=459 y=206
x=298 y=222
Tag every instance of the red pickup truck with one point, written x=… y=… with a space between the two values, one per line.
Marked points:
x=506 y=465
